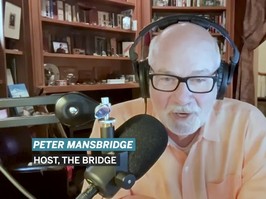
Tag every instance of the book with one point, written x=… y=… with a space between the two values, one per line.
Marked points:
x=13 y=68
x=68 y=12
x=47 y=41
x=116 y=81
x=53 y=10
x=113 y=46
x=93 y=16
x=60 y=10
x=9 y=78
x=17 y=91
x=43 y=8
x=119 y=18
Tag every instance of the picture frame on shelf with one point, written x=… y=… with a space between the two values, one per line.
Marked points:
x=12 y=21
x=100 y=45
x=103 y=18
x=60 y=47
x=70 y=74
x=160 y=2
x=17 y=91
x=125 y=48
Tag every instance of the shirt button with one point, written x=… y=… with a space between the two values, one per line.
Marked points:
x=186 y=168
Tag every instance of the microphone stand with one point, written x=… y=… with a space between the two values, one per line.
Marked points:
x=107 y=180
x=15 y=182
x=89 y=192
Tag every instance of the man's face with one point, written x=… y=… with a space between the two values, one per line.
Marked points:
x=181 y=111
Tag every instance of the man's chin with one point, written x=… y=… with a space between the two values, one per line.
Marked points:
x=183 y=129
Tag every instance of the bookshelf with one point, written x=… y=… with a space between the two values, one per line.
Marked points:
x=222 y=12
x=13 y=47
x=93 y=43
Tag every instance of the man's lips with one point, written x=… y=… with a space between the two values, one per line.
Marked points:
x=182 y=115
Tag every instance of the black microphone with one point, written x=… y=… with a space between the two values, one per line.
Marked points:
x=151 y=141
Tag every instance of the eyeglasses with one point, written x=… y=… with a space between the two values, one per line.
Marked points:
x=195 y=84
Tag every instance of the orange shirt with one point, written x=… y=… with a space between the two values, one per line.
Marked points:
x=227 y=161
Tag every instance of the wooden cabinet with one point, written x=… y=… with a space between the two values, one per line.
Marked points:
x=90 y=53
x=14 y=40
x=222 y=12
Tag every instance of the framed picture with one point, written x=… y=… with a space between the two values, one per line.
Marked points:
x=160 y=2
x=100 y=46
x=12 y=21
x=60 y=47
x=103 y=18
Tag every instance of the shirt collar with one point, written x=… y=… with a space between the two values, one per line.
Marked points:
x=209 y=133
x=209 y=130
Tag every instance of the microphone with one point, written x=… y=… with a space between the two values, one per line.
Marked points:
x=151 y=141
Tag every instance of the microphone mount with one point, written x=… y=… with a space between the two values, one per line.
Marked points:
x=102 y=114
x=114 y=177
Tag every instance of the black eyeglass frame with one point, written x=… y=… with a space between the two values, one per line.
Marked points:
x=183 y=79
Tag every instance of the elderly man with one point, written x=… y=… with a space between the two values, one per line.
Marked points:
x=216 y=148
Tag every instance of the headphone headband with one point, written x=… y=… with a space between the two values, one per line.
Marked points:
x=203 y=22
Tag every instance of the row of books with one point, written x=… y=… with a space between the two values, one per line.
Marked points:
x=189 y=3
x=217 y=18
x=261 y=88
x=214 y=17
x=78 y=12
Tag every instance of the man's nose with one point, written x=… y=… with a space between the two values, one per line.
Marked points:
x=182 y=94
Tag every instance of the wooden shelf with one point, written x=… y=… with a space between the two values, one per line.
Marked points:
x=85 y=25
x=76 y=56
x=13 y=52
x=94 y=87
x=262 y=99
x=117 y=2
x=188 y=9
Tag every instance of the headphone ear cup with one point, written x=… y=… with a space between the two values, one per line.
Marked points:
x=142 y=76
x=222 y=79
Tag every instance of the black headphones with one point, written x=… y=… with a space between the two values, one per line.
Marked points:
x=141 y=68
